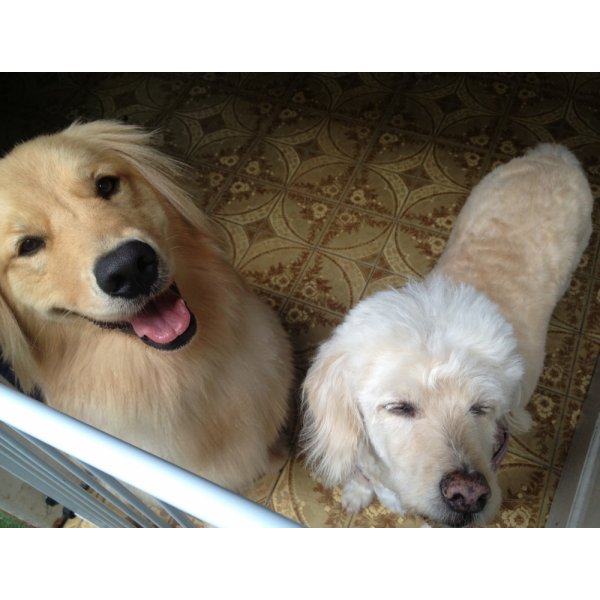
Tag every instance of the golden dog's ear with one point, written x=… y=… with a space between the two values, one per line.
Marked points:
x=333 y=428
x=15 y=349
x=135 y=145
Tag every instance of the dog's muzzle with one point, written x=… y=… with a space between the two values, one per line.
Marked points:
x=131 y=271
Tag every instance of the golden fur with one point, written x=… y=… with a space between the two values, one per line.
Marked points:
x=412 y=396
x=215 y=406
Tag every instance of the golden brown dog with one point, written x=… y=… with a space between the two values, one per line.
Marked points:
x=116 y=301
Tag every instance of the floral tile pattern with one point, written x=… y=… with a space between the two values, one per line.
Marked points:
x=326 y=188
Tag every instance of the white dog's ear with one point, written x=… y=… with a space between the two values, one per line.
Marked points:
x=333 y=428
x=135 y=145
x=15 y=349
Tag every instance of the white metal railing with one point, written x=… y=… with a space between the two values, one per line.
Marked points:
x=576 y=501
x=39 y=446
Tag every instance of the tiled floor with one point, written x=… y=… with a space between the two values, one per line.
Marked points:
x=329 y=187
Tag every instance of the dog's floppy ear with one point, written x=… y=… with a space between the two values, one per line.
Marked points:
x=15 y=349
x=135 y=145
x=333 y=428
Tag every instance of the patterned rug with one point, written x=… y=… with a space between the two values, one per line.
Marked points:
x=328 y=188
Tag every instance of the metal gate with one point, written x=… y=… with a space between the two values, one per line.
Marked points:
x=108 y=482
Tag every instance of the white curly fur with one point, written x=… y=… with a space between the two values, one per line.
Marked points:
x=463 y=349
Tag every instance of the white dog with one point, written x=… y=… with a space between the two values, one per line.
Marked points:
x=414 y=395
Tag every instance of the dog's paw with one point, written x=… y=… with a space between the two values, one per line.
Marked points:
x=520 y=420
x=356 y=495
x=390 y=500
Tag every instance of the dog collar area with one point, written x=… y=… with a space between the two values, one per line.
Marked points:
x=501 y=446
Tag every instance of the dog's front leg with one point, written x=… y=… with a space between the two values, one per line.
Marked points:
x=357 y=492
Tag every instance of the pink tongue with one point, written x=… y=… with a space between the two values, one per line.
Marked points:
x=163 y=320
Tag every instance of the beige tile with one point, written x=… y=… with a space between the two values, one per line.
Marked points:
x=587 y=150
x=552 y=484
x=248 y=114
x=261 y=490
x=275 y=301
x=376 y=515
x=377 y=191
x=234 y=239
x=270 y=85
x=541 y=101
x=298 y=217
x=583 y=368
x=223 y=148
x=364 y=103
x=586 y=85
x=274 y=264
x=517 y=136
x=470 y=128
x=361 y=97
x=415 y=113
x=570 y=310
x=272 y=161
x=399 y=151
x=588 y=265
x=314 y=91
x=346 y=139
x=455 y=166
x=245 y=201
x=561 y=346
x=489 y=92
x=323 y=176
x=583 y=114
x=138 y=98
x=356 y=234
x=411 y=251
x=293 y=124
x=434 y=206
x=433 y=85
x=307 y=326
x=523 y=484
x=181 y=132
x=383 y=280
x=205 y=184
x=302 y=498
x=331 y=282
x=212 y=106
x=204 y=98
x=538 y=445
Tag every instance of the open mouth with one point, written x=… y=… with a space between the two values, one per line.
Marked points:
x=500 y=446
x=164 y=323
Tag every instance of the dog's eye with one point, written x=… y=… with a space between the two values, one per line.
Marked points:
x=404 y=409
x=479 y=409
x=29 y=246
x=107 y=186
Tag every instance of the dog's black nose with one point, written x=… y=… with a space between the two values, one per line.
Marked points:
x=465 y=493
x=128 y=271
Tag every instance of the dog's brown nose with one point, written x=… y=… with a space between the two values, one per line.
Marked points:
x=465 y=493
x=128 y=271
